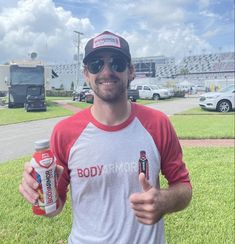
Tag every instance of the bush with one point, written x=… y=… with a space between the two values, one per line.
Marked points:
x=59 y=93
x=3 y=101
x=179 y=93
x=3 y=94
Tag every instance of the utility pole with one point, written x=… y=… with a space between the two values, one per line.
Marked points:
x=78 y=55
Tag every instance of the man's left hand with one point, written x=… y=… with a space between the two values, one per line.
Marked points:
x=148 y=206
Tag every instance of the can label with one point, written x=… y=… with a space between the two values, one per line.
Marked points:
x=144 y=164
x=45 y=174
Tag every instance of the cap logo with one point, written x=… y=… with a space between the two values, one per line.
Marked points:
x=106 y=40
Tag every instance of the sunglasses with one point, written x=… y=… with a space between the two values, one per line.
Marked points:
x=96 y=65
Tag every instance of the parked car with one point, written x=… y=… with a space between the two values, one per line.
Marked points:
x=80 y=93
x=223 y=101
x=152 y=92
x=89 y=96
x=133 y=94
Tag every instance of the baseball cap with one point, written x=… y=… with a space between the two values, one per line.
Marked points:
x=107 y=41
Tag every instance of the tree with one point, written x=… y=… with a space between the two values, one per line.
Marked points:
x=184 y=71
x=72 y=86
x=62 y=86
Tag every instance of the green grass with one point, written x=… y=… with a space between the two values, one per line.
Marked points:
x=145 y=101
x=199 y=111
x=18 y=223
x=58 y=98
x=203 y=126
x=18 y=115
x=192 y=124
x=208 y=219
x=81 y=105
x=149 y=101
x=210 y=216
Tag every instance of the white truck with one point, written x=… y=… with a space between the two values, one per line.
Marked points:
x=152 y=92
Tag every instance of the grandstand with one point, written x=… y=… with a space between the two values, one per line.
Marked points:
x=147 y=66
x=66 y=76
x=198 y=69
x=207 y=66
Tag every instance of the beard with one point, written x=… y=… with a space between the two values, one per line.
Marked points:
x=110 y=89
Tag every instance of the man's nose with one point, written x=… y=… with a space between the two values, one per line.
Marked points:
x=107 y=69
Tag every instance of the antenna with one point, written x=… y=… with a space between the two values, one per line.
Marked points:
x=33 y=55
x=78 y=55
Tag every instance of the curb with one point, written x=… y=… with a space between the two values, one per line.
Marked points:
x=207 y=143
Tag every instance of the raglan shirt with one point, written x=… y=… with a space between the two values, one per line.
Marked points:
x=101 y=164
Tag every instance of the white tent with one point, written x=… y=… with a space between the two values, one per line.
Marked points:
x=184 y=85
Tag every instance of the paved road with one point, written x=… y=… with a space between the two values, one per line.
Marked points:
x=17 y=140
x=176 y=106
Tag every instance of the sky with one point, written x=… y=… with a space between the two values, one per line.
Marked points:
x=173 y=28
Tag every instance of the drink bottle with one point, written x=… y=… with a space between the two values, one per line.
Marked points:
x=144 y=164
x=44 y=172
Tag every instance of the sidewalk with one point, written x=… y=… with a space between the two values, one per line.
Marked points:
x=64 y=104
x=208 y=143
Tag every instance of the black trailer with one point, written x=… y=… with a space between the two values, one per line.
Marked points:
x=27 y=87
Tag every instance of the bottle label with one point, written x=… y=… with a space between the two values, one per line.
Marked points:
x=45 y=174
x=44 y=159
x=144 y=164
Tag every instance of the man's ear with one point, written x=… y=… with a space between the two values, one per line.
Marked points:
x=86 y=76
x=131 y=73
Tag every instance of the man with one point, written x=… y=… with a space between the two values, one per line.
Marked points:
x=112 y=154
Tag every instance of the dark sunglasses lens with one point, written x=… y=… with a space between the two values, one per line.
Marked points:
x=119 y=64
x=94 y=66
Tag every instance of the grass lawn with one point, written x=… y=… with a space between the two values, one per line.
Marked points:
x=18 y=223
x=18 y=115
x=83 y=105
x=210 y=216
x=58 y=98
x=204 y=126
x=199 y=111
x=192 y=124
x=208 y=219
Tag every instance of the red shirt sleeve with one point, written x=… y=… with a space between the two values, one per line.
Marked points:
x=160 y=128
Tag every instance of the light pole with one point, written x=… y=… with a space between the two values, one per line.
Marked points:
x=78 y=55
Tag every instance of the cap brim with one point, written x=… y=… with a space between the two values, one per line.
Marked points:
x=114 y=50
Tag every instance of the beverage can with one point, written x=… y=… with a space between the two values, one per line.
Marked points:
x=144 y=164
x=44 y=172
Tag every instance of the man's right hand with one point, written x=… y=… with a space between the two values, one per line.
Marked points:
x=28 y=186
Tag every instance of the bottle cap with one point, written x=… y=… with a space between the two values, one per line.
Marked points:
x=41 y=144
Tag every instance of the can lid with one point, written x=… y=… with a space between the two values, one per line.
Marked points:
x=41 y=144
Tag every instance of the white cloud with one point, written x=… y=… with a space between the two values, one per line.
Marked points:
x=170 y=28
x=155 y=13
x=211 y=33
x=41 y=27
x=204 y=3
x=175 y=41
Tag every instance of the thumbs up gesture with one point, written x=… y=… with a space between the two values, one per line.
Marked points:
x=147 y=205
